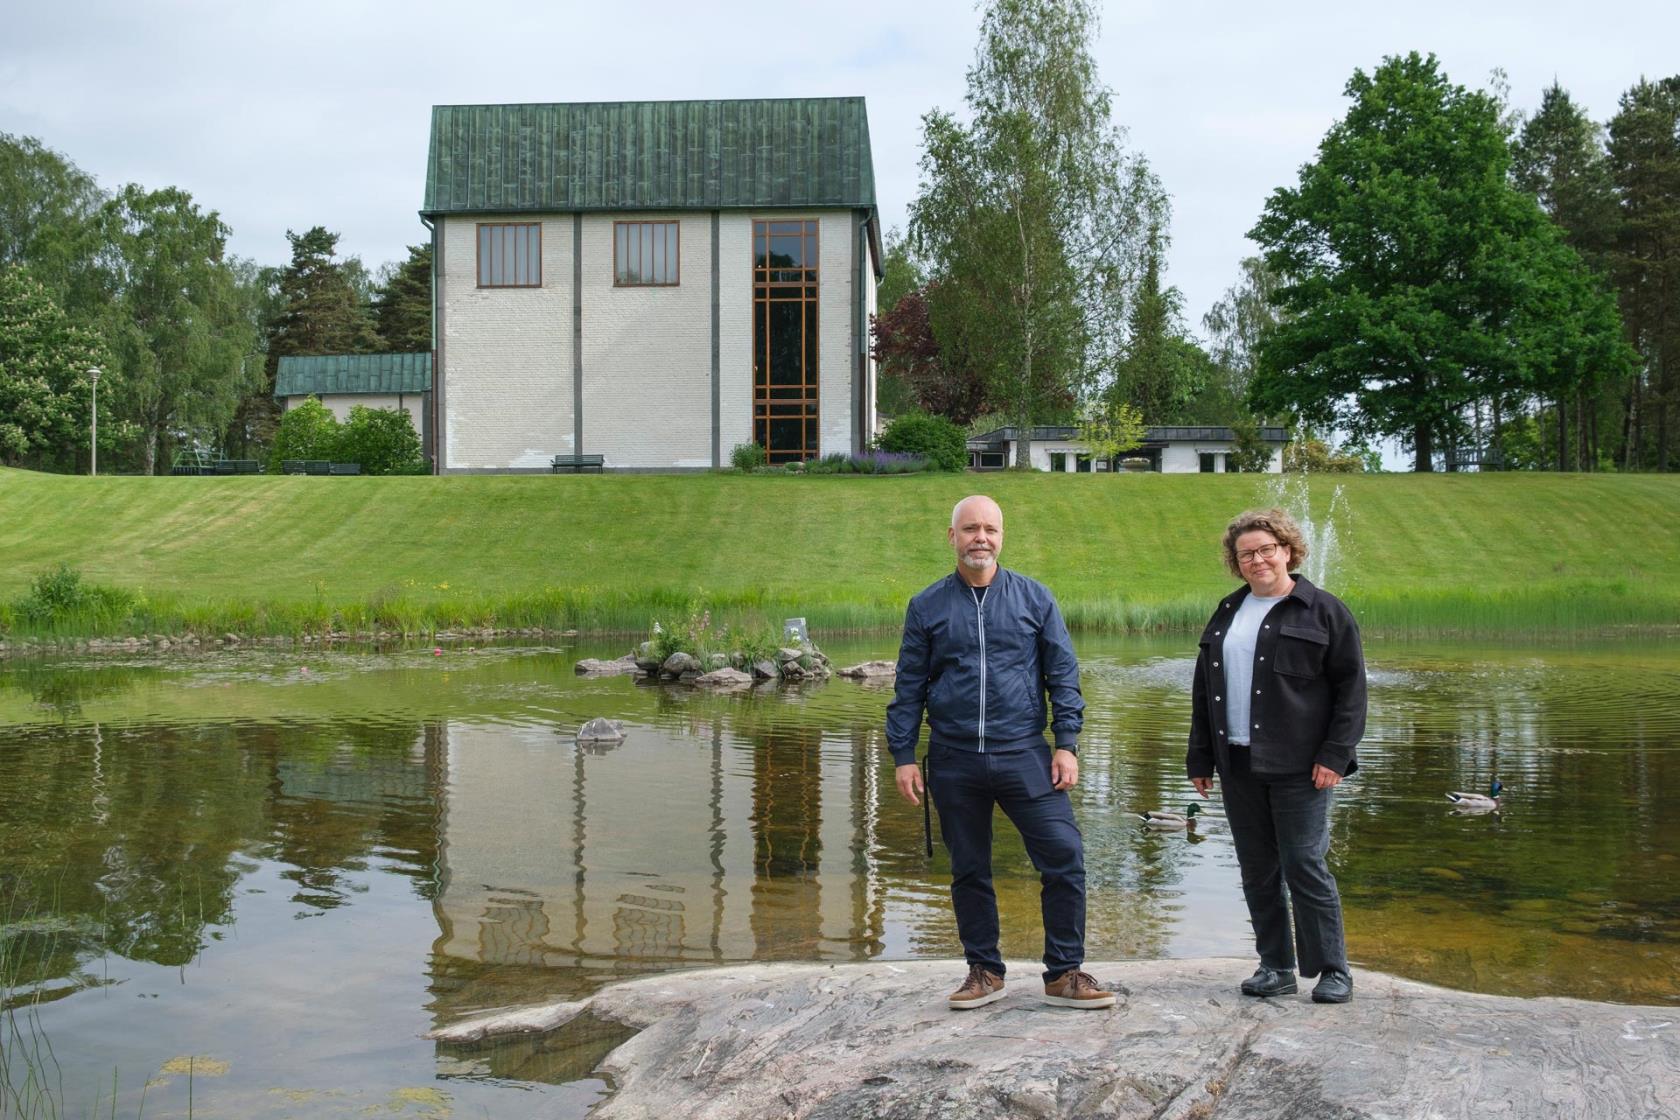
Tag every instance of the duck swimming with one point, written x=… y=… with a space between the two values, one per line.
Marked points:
x=1161 y=818
x=1479 y=801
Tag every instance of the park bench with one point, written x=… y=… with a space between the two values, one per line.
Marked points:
x=344 y=468
x=236 y=466
x=578 y=463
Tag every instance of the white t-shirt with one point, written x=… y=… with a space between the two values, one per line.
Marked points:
x=1240 y=640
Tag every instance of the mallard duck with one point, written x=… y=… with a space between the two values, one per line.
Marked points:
x=1161 y=818
x=1478 y=801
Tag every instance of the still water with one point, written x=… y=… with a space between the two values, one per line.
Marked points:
x=247 y=884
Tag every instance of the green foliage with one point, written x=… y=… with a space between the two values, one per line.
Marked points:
x=1644 y=157
x=1160 y=370
x=45 y=393
x=1418 y=279
x=747 y=456
x=1032 y=217
x=1250 y=454
x=402 y=309
x=382 y=440
x=177 y=323
x=307 y=431
x=1112 y=429
x=1311 y=454
x=60 y=595
x=50 y=222
x=870 y=462
x=934 y=438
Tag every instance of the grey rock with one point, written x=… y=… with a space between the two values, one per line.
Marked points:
x=724 y=678
x=600 y=730
x=679 y=663
x=876 y=1040
x=865 y=670
x=787 y=653
x=617 y=667
x=764 y=670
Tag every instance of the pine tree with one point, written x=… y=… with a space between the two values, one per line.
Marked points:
x=402 y=309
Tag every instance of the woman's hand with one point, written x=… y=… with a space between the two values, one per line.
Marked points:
x=1324 y=777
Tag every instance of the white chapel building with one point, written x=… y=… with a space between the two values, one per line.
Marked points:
x=650 y=283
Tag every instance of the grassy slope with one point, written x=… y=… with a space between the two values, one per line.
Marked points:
x=1419 y=552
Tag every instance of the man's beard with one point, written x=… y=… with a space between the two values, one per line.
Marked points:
x=979 y=561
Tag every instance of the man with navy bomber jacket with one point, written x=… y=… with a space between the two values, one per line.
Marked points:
x=982 y=651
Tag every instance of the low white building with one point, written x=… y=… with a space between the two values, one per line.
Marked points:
x=652 y=282
x=342 y=381
x=1165 y=449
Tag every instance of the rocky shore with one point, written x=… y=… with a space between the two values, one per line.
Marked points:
x=876 y=1040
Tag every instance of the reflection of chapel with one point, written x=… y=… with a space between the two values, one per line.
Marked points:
x=651 y=282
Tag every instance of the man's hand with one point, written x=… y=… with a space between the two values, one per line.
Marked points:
x=1064 y=769
x=1324 y=777
x=1203 y=785
x=910 y=782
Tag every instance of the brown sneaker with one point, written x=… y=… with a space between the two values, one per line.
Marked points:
x=981 y=987
x=1077 y=989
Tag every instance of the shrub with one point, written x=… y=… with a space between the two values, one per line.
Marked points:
x=309 y=431
x=747 y=456
x=934 y=438
x=382 y=440
x=58 y=594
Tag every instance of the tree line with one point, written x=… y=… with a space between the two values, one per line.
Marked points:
x=187 y=337
x=1489 y=288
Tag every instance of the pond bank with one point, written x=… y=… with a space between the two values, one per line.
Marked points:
x=848 y=1040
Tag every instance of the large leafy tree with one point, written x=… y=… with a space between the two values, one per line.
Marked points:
x=1644 y=155
x=49 y=220
x=1160 y=370
x=319 y=306
x=917 y=373
x=45 y=394
x=177 y=323
x=1559 y=158
x=402 y=308
x=1417 y=275
x=1032 y=216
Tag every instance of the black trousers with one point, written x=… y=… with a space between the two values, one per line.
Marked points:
x=965 y=785
x=1280 y=825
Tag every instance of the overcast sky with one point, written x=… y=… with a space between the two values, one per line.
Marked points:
x=284 y=116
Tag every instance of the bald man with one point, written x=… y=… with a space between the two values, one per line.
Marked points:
x=982 y=649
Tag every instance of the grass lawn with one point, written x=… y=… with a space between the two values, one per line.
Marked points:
x=276 y=554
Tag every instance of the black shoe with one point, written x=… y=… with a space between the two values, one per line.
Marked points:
x=1269 y=982
x=1335 y=986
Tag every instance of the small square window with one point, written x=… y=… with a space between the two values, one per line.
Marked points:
x=645 y=254
x=510 y=255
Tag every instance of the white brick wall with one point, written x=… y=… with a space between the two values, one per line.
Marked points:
x=834 y=319
x=507 y=352
x=647 y=352
x=735 y=330
x=507 y=377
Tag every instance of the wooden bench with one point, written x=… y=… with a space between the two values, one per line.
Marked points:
x=578 y=463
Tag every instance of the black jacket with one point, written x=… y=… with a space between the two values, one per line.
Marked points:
x=1309 y=684
x=980 y=670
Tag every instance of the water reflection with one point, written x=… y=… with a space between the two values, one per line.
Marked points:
x=210 y=855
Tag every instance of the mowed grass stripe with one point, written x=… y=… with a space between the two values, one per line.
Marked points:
x=1419 y=553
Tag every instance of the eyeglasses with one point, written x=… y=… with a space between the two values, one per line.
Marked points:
x=1264 y=552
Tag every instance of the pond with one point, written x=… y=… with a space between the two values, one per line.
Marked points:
x=245 y=884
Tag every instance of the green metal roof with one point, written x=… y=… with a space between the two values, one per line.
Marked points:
x=650 y=155
x=353 y=373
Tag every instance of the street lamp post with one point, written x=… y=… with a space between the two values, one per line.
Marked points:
x=93 y=376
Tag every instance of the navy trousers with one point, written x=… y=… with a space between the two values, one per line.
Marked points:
x=1280 y=827
x=965 y=785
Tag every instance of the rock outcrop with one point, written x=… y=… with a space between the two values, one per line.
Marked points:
x=876 y=1040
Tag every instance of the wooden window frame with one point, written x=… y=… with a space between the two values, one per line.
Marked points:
x=478 y=251
x=772 y=285
x=676 y=271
